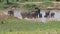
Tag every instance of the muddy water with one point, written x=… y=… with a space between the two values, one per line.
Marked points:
x=18 y=15
x=56 y=17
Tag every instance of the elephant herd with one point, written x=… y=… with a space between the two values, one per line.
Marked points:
x=37 y=14
x=33 y=14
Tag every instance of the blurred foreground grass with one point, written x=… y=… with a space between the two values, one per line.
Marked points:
x=17 y=26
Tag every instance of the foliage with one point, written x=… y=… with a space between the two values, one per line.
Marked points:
x=30 y=6
x=49 y=4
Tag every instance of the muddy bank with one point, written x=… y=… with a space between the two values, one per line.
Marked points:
x=2 y=16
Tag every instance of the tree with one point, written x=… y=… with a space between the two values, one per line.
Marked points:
x=12 y=0
x=26 y=0
x=57 y=0
x=17 y=0
x=7 y=1
x=0 y=0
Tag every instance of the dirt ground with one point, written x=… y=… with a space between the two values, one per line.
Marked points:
x=2 y=16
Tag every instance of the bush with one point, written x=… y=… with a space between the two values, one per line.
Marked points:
x=48 y=3
x=2 y=22
x=10 y=30
x=10 y=5
x=30 y=6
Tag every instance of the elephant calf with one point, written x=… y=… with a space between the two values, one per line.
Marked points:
x=11 y=13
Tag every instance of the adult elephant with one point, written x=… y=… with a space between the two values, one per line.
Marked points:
x=31 y=14
x=37 y=12
x=25 y=14
x=11 y=13
x=47 y=14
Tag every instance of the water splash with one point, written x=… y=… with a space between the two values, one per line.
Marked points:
x=18 y=14
x=43 y=19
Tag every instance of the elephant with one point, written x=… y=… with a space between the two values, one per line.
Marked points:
x=11 y=13
x=30 y=14
x=47 y=14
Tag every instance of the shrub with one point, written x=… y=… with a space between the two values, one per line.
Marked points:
x=30 y=6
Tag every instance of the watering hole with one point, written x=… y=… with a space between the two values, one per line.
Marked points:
x=43 y=19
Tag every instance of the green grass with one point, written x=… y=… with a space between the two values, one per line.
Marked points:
x=32 y=6
x=29 y=6
x=16 y=26
x=31 y=0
